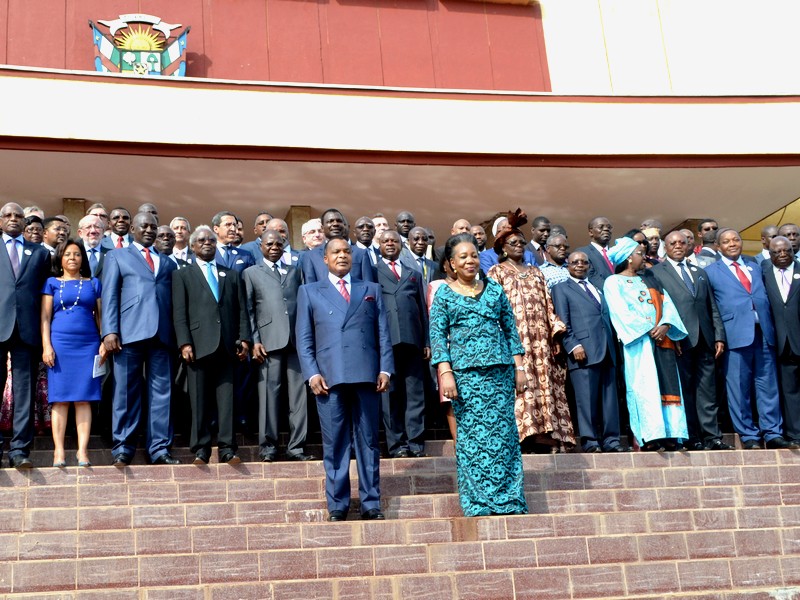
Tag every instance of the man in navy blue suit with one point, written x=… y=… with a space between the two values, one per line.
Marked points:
x=749 y=359
x=137 y=330
x=591 y=356
x=334 y=225
x=345 y=352
x=24 y=267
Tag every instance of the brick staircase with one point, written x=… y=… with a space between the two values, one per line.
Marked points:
x=721 y=525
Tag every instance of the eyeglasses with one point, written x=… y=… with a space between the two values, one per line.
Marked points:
x=515 y=243
x=560 y=246
x=579 y=262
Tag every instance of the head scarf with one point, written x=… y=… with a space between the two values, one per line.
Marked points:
x=496 y=224
x=621 y=250
x=515 y=220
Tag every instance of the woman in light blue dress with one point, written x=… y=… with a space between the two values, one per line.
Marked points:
x=647 y=324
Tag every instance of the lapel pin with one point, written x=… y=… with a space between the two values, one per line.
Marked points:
x=222 y=274
x=693 y=269
x=27 y=251
x=796 y=276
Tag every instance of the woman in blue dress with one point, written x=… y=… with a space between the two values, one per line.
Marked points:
x=70 y=341
x=647 y=323
x=476 y=350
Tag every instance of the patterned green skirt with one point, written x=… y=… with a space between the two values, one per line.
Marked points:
x=488 y=457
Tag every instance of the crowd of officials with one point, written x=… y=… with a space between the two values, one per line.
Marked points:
x=525 y=344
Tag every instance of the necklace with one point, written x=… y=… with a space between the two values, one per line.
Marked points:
x=522 y=274
x=469 y=291
x=61 y=294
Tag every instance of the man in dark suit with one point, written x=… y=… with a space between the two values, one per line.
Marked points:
x=334 y=225
x=24 y=267
x=749 y=359
x=708 y=253
x=212 y=331
x=688 y=287
x=782 y=281
x=290 y=256
x=404 y=405
x=228 y=255
x=365 y=235
x=418 y=242
x=792 y=233
x=540 y=231
x=120 y=224
x=600 y=267
x=90 y=230
x=345 y=351
x=272 y=307
x=137 y=329
x=767 y=233
x=591 y=356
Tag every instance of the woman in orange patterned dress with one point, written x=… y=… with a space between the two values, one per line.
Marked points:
x=542 y=410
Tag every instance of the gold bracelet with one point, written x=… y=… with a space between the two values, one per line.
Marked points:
x=445 y=372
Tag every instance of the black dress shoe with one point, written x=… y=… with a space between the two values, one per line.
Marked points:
x=373 y=514
x=337 y=515
x=779 y=443
x=751 y=445
x=122 y=460
x=694 y=445
x=718 y=445
x=231 y=458
x=267 y=458
x=166 y=459
x=201 y=458
x=402 y=454
x=592 y=450
x=20 y=462
x=418 y=453
x=615 y=449
x=302 y=457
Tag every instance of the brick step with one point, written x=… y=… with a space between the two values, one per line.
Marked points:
x=699 y=533
x=403 y=572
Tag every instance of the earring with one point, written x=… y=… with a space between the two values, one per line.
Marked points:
x=505 y=254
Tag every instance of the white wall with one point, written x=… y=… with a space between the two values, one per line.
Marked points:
x=681 y=47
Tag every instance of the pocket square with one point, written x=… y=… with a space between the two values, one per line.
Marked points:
x=369 y=298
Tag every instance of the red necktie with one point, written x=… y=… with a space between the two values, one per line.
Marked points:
x=149 y=260
x=394 y=270
x=742 y=277
x=119 y=241
x=608 y=262
x=343 y=291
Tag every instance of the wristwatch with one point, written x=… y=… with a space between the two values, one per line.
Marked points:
x=520 y=368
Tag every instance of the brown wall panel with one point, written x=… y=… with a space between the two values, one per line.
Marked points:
x=36 y=33
x=351 y=50
x=294 y=41
x=405 y=43
x=237 y=39
x=514 y=37
x=78 y=41
x=462 y=45
x=3 y=30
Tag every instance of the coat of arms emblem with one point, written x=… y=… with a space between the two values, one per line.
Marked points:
x=139 y=44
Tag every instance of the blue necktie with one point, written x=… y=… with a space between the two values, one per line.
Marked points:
x=591 y=295
x=93 y=260
x=686 y=278
x=212 y=281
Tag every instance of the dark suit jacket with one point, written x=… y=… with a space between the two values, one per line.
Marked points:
x=312 y=263
x=20 y=297
x=529 y=247
x=137 y=304
x=699 y=313
x=344 y=342
x=587 y=324
x=272 y=304
x=736 y=305
x=236 y=259
x=202 y=321
x=405 y=305
x=103 y=250
x=598 y=268
x=786 y=314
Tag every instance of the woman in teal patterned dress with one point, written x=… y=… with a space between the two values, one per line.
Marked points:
x=476 y=349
